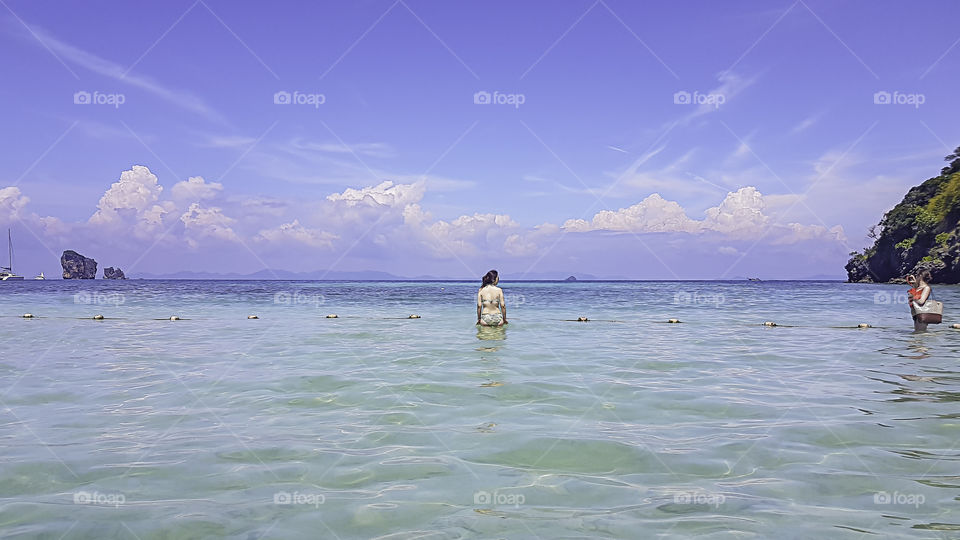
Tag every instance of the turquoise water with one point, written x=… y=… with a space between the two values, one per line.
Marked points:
x=373 y=425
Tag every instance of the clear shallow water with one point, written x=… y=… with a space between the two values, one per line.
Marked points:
x=372 y=425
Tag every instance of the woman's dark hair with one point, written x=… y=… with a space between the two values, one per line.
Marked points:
x=489 y=278
x=925 y=276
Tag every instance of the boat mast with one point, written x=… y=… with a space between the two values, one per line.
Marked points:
x=10 y=250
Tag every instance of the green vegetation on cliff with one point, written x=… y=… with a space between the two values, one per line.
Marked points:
x=922 y=232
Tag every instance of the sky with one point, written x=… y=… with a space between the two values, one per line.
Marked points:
x=642 y=140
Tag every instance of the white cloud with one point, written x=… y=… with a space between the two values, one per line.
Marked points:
x=364 y=149
x=133 y=202
x=12 y=203
x=740 y=215
x=200 y=223
x=730 y=86
x=517 y=246
x=383 y=194
x=227 y=141
x=294 y=232
x=653 y=214
x=115 y=71
x=465 y=235
x=805 y=124
x=195 y=189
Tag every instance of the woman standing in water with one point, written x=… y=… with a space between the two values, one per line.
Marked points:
x=919 y=295
x=491 y=307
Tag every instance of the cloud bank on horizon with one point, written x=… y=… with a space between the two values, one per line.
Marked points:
x=606 y=138
x=386 y=219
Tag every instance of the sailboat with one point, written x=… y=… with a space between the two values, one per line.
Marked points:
x=6 y=272
x=41 y=277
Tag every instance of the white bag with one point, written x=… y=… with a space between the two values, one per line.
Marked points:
x=930 y=312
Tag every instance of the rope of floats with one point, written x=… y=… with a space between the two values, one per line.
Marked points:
x=768 y=324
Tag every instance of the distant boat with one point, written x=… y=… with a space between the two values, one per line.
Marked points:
x=754 y=279
x=41 y=277
x=6 y=272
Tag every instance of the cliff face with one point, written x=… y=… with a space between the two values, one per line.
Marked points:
x=922 y=232
x=76 y=266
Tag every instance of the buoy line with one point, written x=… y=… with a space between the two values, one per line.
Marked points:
x=412 y=316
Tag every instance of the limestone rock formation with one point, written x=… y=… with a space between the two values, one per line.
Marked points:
x=76 y=266
x=113 y=273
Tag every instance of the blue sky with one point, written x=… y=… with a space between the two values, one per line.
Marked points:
x=634 y=139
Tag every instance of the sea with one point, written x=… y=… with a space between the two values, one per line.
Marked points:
x=373 y=424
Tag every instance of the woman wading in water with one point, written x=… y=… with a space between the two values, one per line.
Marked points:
x=491 y=307
x=919 y=296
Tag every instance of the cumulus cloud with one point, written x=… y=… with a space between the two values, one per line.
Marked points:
x=465 y=235
x=518 y=246
x=383 y=194
x=12 y=203
x=740 y=215
x=296 y=233
x=653 y=214
x=195 y=188
x=200 y=223
x=133 y=202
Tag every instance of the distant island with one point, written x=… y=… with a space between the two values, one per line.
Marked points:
x=920 y=233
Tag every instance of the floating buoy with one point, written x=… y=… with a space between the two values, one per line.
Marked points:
x=333 y=316
x=98 y=317
x=174 y=318
x=583 y=319
x=674 y=321
x=252 y=317
x=28 y=315
x=414 y=316
x=864 y=325
x=769 y=323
